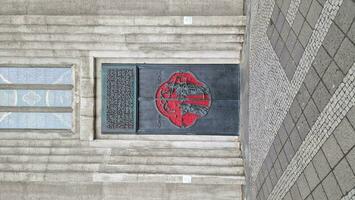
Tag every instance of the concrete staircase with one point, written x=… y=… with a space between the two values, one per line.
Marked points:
x=192 y=165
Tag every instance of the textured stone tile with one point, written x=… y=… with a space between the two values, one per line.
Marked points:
x=351 y=33
x=295 y=139
x=331 y=187
x=311 y=113
x=278 y=169
x=295 y=110
x=321 y=165
x=333 y=77
x=345 y=135
x=322 y=2
x=275 y=13
x=279 y=3
x=321 y=96
x=345 y=15
x=351 y=116
x=321 y=61
x=289 y=151
x=311 y=80
x=351 y=159
x=285 y=56
x=344 y=176
x=297 y=23
x=311 y=176
x=274 y=38
x=333 y=39
x=295 y=193
x=288 y=123
x=277 y=144
x=285 y=6
x=305 y=34
x=290 y=69
x=285 y=30
x=319 y=194
x=332 y=151
x=273 y=154
x=282 y=135
x=288 y=196
x=283 y=160
x=304 y=7
x=280 y=22
x=273 y=177
x=303 y=96
x=309 y=197
x=342 y=57
x=279 y=47
x=297 y=52
x=270 y=30
x=303 y=186
x=291 y=40
x=302 y=127
x=314 y=13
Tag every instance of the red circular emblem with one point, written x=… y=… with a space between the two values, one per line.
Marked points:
x=183 y=99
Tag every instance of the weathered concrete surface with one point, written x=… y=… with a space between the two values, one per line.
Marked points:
x=123 y=7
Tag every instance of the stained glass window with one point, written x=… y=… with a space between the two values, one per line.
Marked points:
x=36 y=97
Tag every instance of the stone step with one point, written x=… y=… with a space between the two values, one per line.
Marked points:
x=77 y=177
x=138 y=160
x=129 y=38
x=109 y=168
x=84 y=29
x=174 y=169
x=123 y=20
x=225 y=48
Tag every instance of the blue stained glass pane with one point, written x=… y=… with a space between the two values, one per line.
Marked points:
x=49 y=98
x=25 y=120
x=14 y=75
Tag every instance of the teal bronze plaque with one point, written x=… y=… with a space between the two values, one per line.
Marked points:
x=118 y=98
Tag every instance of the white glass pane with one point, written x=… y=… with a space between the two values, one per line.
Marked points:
x=49 y=98
x=15 y=75
x=23 y=120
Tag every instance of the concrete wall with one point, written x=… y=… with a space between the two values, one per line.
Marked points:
x=123 y=7
x=302 y=95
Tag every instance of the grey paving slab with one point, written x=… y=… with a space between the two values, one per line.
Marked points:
x=279 y=3
x=290 y=69
x=295 y=110
x=273 y=177
x=303 y=96
x=345 y=15
x=351 y=33
x=333 y=39
x=322 y=61
x=297 y=23
x=295 y=193
x=278 y=169
x=302 y=127
x=321 y=96
x=282 y=135
x=289 y=151
x=280 y=22
x=319 y=194
x=283 y=160
x=311 y=176
x=295 y=139
x=331 y=187
x=333 y=77
x=288 y=123
x=279 y=47
x=351 y=159
x=285 y=30
x=274 y=38
x=303 y=186
x=311 y=113
x=275 y=13
x=285 y=56
x=345 y=135
x=332 y=151
x=351 y=116
x=311 y=80
x=344 y=176
x=310 y=197
x=285 y=5
x=304 y=7
x=277 y=144
x=314 y=13
x=342 y=57
x=288 y=196
x=321 y=164
x=291 y=40
x=305 y=34
x=297 y=52
x=270 y=31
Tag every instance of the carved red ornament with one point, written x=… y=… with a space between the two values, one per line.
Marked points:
x=183 y=99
